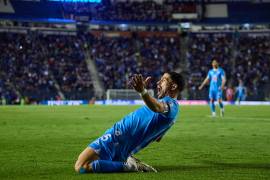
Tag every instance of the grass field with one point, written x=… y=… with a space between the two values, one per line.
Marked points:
x=41 y=142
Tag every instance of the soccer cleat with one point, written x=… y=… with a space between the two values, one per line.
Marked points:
x=221 y=112
x=140 y=166
x=213 y=114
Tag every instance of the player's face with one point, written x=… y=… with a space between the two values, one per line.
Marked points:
x=214 y=64
x=164 y=85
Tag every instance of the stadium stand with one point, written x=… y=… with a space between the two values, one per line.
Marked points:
x=117 y=58
x=32 y=65
x=252 y=65
x=55 y=65
x=23 y=68
x=66 y=60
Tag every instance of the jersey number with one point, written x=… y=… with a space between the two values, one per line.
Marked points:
x=106 y=137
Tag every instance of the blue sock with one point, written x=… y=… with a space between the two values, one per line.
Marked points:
x=221 y=105
x=212 y=106
x=104 y=166
x=82 y=170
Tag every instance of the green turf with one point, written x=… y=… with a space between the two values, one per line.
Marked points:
x=41 y=142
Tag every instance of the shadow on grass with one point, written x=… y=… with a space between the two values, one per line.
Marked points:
x=214 y=165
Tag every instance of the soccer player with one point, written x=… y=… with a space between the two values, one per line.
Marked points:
x=217 y=79
x=113 y=151
x=241 y=92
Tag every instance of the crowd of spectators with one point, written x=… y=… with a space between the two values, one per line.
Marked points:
x=131 y=10
x=37 y=66
x=119 y=57
x=66 y=60
x=252 y=65
x=24 y=72
x=242 y=57
x=32 y=64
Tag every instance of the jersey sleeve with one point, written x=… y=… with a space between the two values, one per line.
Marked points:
x=209 y=75
x=222 y=73
x=171 y=107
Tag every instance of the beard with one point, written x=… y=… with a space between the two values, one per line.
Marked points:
x=161 y=92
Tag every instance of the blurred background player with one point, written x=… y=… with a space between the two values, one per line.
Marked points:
x=241 y=91
x=217 y=79
x=113 y=151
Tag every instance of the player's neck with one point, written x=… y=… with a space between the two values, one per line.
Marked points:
x=172 y=95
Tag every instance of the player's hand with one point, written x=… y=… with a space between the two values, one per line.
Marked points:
x=200 y=87
x=138 y=83
x=222 y=88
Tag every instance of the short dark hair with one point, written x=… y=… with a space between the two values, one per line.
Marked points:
x=178 y=79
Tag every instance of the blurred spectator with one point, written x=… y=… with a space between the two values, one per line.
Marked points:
x=229 y=94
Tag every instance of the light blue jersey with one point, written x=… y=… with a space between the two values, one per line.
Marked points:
x=215 y=77
x=241 y=93
x=135 y=131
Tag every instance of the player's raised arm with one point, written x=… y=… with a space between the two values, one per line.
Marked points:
x=139 y=84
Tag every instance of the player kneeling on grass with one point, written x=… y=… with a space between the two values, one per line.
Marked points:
x=113 y=151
